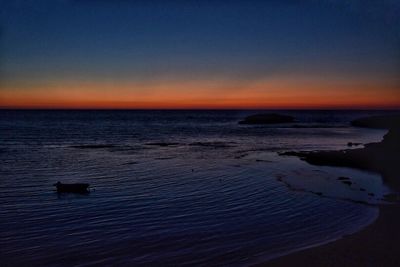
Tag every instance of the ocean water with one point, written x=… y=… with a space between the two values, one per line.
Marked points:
x=175 y=188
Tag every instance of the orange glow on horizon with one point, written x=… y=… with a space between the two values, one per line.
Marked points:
x=203 y=95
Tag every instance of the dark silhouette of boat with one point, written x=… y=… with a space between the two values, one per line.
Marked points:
x=79 y=188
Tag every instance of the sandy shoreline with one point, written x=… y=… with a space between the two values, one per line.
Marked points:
x=377 y=244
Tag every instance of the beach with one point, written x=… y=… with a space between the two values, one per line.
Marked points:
x=176 y=188
x=377 y=244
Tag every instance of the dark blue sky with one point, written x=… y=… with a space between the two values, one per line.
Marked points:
x=139 y=41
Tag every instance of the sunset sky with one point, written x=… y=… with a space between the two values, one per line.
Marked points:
x=200 y=54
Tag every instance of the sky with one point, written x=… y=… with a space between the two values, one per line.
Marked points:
x=199 y=54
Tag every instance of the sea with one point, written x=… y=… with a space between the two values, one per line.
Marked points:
x=176 y=187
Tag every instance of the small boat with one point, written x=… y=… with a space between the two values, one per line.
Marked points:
x=79 y=188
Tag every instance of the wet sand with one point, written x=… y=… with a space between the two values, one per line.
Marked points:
x=378 y=243
x=375 y=245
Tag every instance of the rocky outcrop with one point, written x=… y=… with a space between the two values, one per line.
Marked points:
x=382 y=157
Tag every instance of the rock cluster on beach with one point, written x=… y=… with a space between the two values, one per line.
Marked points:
x=376 y=245
x=267 y=118
x=382 y=157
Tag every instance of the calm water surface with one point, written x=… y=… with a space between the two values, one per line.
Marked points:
x=174 y=187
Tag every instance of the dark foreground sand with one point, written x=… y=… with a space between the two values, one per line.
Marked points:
x=376 y=245
x=379 y=243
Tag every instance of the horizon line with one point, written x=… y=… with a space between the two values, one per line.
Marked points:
x=199 y=109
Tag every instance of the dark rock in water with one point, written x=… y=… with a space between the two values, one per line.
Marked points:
x=79 y=188
x=269 y=118
x=343 y=178
x=263 y=160
x=362 y=189
x=360 y=202
x=381 y=122
x=350 y=144
x=371 y=194
x=347 y=183
x=130 y=163
x=162 y=144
